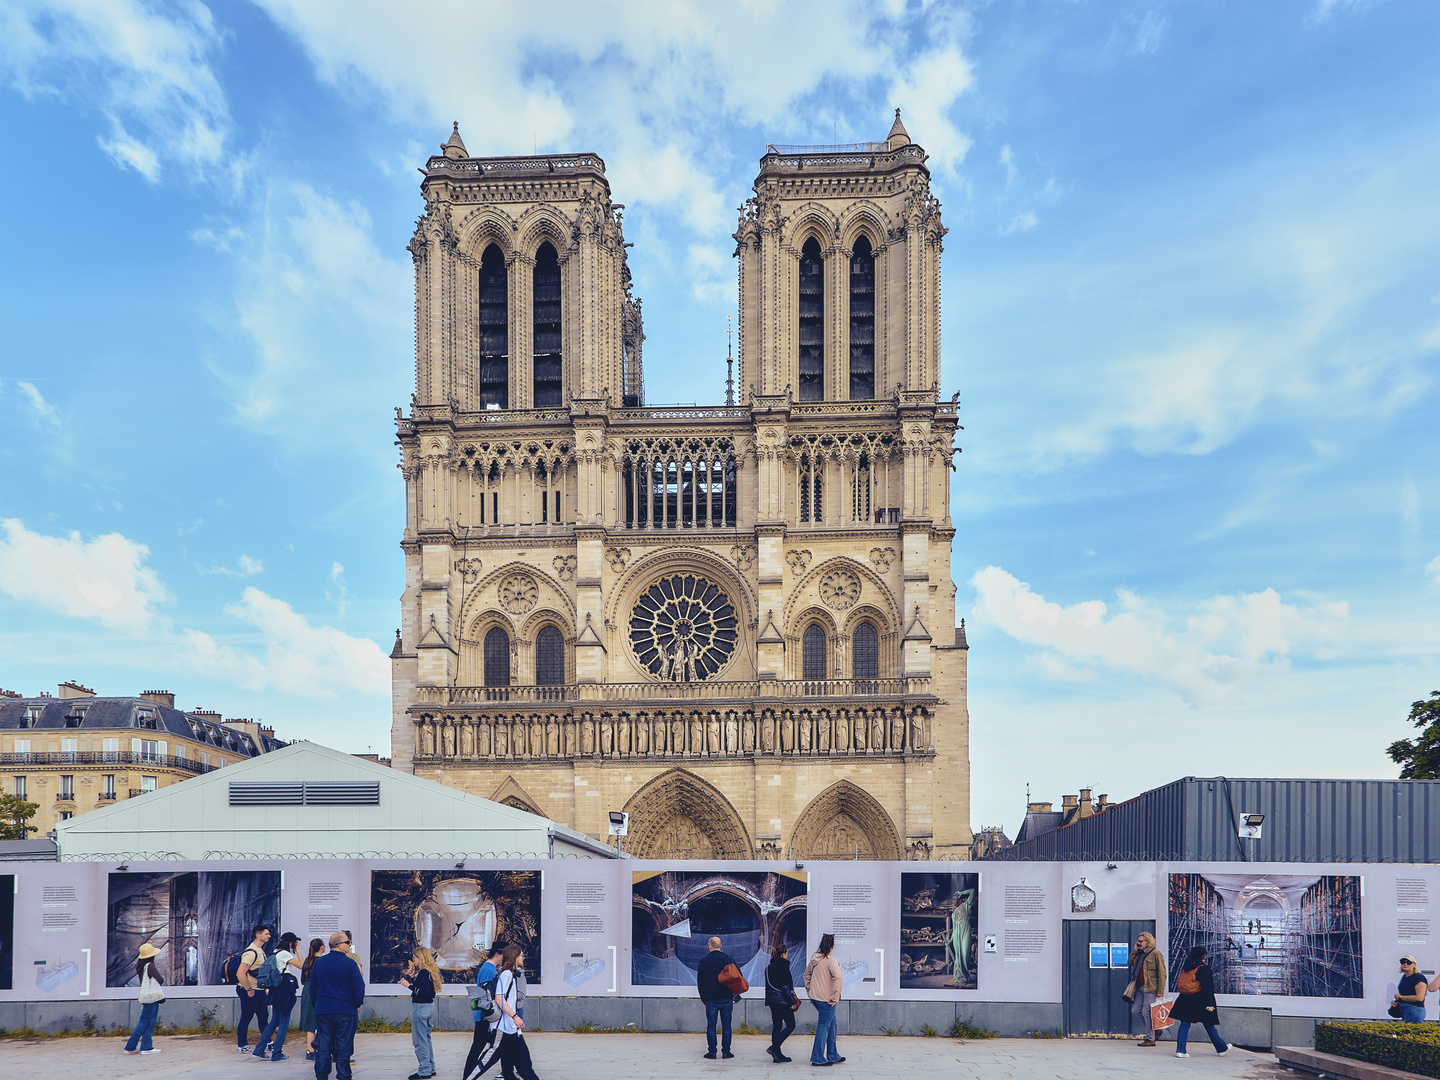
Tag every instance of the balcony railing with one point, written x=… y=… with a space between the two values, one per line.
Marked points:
x=108 y=757
x=106 y=796
x=754 y=689
x=65 y=796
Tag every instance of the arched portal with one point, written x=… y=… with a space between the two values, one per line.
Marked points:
x=841 y=821
x=677 y=815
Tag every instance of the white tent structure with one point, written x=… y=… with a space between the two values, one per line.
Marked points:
x=309 y=801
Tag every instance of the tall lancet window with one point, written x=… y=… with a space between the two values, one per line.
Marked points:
x=497 y=657
x=547 y=328
x=494 y=331
x=862 y=322
x=812 y=653
x=812 y=323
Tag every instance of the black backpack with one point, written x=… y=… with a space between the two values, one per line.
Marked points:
x=230 y=969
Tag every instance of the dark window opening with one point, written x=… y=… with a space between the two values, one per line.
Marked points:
x=812 y=653
x=862 y=322
x=812 y=323
x=549 y=658
x=494 y=331
x=811 y=485
x=865 y=652
x=497 y=658
x=547 y=329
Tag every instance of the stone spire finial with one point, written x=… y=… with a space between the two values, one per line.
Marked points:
x=455 y=146
x=898 y=135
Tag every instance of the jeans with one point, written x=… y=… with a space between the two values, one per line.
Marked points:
x=722 y=1010
x=782 y=1021
x=1412 y=1014
x=250 y=1005
x=334 y=1038
x=482 y=1039
x=1210 y=1030
x=422 y=1020
x=275 y=1032
x=515 y=1059
x=1140 y=1013
x=825 y=1028
x=144 y=1027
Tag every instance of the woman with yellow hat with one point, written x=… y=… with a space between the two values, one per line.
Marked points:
x=152 y=994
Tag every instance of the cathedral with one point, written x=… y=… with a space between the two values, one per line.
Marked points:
x=734 y=622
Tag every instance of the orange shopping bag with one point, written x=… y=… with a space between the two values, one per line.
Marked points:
x=1160 y=1014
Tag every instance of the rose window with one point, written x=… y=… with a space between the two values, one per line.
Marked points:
x=683 y=629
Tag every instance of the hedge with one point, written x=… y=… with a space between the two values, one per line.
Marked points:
x=1412 y=1047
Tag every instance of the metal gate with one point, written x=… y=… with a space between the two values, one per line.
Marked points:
x=1094 y=972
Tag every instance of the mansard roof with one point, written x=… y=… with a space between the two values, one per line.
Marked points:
x=126 y=714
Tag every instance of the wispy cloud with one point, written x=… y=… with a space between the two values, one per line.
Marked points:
x=42 y=412
x=1023 y=221
x=245 y=566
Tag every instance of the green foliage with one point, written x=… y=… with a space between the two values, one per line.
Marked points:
x=928 y=1031
x=207 y=1025
x=373 y=1024
x=588 y=1027
x=748 y=1029
x=1413 y=1047
x=1420 y=757
x=15 y=815
x=964 y=1029
x=892 y=1031
x=1052 y=1033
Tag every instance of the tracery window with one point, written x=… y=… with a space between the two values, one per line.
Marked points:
x=862 y=322
x=865 y=652
x=860 y=489
x=812 y=323
x=675 y=485
x=549 y=658
x=547 y=376
x=812 y=482
x=497 y=657
x=683 y=628
x=812 y=653
x=494 y=331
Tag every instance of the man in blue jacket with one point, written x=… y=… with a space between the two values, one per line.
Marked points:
x=339 y=991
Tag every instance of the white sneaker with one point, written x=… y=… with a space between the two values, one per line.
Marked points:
x=156 y=1050
x=1222 y=1053
x=132 y=1051
x=1179 y=1054
x=242 y=1049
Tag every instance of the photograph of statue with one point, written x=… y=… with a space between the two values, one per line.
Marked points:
x=938 y=922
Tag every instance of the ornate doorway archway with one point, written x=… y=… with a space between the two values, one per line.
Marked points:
x=841 y=821
x=677 y=815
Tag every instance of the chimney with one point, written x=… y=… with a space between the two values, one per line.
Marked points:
x=1040 y=808
x=1104 y=804
x=206 y=714
x=160 y=697
x=1087 y=808
x=70 y=690
x=1067 y=802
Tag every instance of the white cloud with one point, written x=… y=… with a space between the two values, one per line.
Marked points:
x=1023 y=221
x=146 y=67
x=1223 y=645
x=1149 y=32
x=43 y=410
x=1007 y=162
x=1432 y=572
x=245 y=566
x=102 y=579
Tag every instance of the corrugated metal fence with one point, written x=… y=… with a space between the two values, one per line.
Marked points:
x=1195 y=819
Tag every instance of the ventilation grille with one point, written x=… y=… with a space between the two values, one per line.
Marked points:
x=305 y=793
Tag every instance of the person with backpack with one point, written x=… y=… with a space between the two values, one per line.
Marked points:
x=483 y=1011
x=514 y=1054
x=278 y=981
x=719 y=1000
x=1147 y=972
x=822 y=984
x=781 y=997
x=252 y=999
x=422 y=979
x=307 y=998
x=1195 y=1002
x=152 y=996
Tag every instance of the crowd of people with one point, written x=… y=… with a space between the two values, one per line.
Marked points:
x=329 y=986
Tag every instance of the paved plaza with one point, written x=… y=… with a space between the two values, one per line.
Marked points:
x=656 y=1057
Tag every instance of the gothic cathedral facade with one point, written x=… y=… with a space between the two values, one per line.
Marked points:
x=734 y=622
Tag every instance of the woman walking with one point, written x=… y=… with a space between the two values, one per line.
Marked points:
x=822 y=983
x=281 y=999
x=152 y=994
x=514 y=1054
x=780 y=996
x=1195 y=1003
x=422 y=979
x=307 y=998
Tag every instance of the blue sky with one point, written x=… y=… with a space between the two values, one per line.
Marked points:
x=1191 y=302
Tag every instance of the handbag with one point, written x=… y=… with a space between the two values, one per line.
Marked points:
x=732 y=980
x=1394 y=1011
x=151 y=992
x=1129 y=994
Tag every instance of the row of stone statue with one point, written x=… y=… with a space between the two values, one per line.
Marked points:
x=713 y=734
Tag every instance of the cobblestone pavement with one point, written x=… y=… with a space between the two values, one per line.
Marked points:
x=653 y=1057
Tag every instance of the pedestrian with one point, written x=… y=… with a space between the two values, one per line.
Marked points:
x=152 y=996
x=781 y=997
x=1410 y=994
x=719 y=999
x=514 y=1054
x=1147 y=971
x=252 y=1000
x=307 y=998
x=1195 y=1002
x=339 y=991
x=1434 y=985
x=281 y=999
x=422 y=979
x=822 y=985
x=483 y=1011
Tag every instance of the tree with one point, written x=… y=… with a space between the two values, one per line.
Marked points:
x=1420 y=757
x=15 y=815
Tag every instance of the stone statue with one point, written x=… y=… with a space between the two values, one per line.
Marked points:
x=642 y=735
x=712 y=733
x=482 y=739
x=502 y=739
x=552 y=737
x=607 y=737
x=622 y=742
x=897 y=732
x=842 y=733
x=767 y=732
x=732 y=733
x=677 y=734
x=787 y=733
x=877 y=731
x=747 y=734
x=917 y=731
x=696 y=744
x=802 y=742
x=587 y=736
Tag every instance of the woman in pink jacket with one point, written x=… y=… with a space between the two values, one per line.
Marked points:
x=822 y=984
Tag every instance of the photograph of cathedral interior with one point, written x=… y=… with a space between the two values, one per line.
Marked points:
x=734 y=621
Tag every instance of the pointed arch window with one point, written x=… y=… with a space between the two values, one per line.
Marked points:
x=549 y=658
x=862 y=322
x=812 y=653
x=547 y=328
x=865 y=652
x=497 y=657
x=494 y=331
x=812 y=323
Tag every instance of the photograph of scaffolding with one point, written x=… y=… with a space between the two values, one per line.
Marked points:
x=1270 y=934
